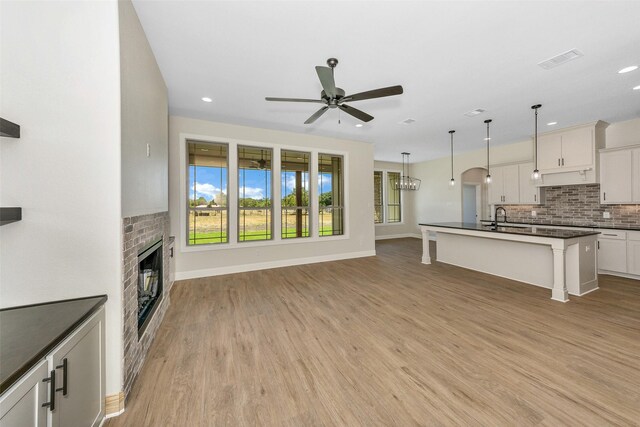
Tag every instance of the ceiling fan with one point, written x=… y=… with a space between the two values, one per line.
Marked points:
x=334 y=97
x=259 y=164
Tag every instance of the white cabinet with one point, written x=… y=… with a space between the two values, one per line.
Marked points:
x=566 y=150
x=633 y=253
x=79 y=361
x=529 y=193
x=620 y=176
x=612 y=251
x=569 y=156
x=504 y=186
x=21 y=406
x=76 y=395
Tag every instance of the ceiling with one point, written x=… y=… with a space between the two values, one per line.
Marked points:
x=450 y=57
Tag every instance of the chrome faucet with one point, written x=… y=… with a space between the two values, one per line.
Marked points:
x=504 y=214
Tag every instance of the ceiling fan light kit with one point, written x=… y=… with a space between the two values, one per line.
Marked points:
x=335 y=97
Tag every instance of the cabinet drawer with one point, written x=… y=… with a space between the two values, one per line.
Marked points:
x=612 y=234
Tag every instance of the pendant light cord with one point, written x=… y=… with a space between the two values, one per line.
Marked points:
x=451 y=132
x=488 y=141
x=535 y=137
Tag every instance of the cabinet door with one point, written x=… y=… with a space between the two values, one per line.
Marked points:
x=511 y=184
x=577 y=148
x=83 y=403
x=529 y=193
x=635 y=183
x=549 y=152
x=21 y=405
x=615 y=177
x=633 y=257
x=496 y=187
x=612 y=255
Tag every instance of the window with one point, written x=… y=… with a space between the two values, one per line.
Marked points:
x=294 y=172
x=207 y=205
x=254 y=193
x=330 y=195
x=377 y=197
x=386 y=197
x=393 y=197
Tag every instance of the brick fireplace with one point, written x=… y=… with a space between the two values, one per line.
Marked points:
x=140 y=234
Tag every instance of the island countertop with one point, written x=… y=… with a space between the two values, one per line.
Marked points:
x=28 y=333
x=555 y=233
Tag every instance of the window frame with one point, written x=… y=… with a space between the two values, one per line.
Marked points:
x=385 y=199
x=186 y=198
x=239 y=208
x=232 y=188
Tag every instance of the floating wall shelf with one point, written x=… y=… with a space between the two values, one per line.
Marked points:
x=9 y=215
x=9 y=129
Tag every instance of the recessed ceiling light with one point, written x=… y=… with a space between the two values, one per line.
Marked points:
x=552 y=123
x=628 y=69
x=474 y=112
x=359 y=125
x=637 y=87
x=207 y=99
x=407 y=121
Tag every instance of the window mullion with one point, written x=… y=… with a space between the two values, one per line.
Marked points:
x=232 y=196
x=276 y=196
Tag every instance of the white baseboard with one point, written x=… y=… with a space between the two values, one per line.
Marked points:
x=399 y=236
x=207 y=272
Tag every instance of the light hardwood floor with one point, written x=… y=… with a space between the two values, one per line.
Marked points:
x=388 y=341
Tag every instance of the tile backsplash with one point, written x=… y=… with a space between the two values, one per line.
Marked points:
x=575 y=205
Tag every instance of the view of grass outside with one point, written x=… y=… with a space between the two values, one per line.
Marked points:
x=254 y=193
x=330 y=198
x=208 y=209
x=294 y=173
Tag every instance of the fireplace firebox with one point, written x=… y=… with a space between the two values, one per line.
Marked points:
x=149 y=284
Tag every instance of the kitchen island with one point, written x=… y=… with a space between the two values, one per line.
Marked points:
x=561 y=260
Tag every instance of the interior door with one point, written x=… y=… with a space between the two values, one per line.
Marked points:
x=469 y=205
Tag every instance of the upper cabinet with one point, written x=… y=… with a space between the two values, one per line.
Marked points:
x=569 y=156
x=504 y=188
x=529 y=192
x=620 y=175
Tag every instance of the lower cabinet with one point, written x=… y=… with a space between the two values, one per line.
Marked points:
x=633 y=253
x=612 y=254
x=21 y=406
x=67 y=389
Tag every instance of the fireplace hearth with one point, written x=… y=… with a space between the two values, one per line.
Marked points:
x=149 y=283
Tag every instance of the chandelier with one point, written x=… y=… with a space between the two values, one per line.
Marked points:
x=407 y=183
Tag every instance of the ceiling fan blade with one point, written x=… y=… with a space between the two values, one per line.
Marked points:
x=316 y=115
x=376 y=93
x=325 y=74
x=269 y=98
x=356 y=113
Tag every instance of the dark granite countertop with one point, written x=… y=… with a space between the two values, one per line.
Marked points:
x=28 y=333
x=555 y=233
x=541 y=224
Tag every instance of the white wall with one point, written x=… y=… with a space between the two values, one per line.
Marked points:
x=408 y=225
x=145 y=120
x=359 y=173
x=60 y=83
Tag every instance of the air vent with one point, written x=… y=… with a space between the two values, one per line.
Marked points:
x=407 y=122
x=563 y=58
x=474 y=112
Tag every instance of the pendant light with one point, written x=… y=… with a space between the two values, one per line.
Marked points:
x=407 y=183
x=488 y=139
x=453 y=181
x=536 y=173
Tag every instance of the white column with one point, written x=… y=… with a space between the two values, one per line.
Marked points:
x=559 y=291
x=426 y=257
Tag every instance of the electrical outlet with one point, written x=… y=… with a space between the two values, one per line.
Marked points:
x=534 y=214
x=606 y=215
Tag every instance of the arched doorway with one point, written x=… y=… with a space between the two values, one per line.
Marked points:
x=474 y=195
